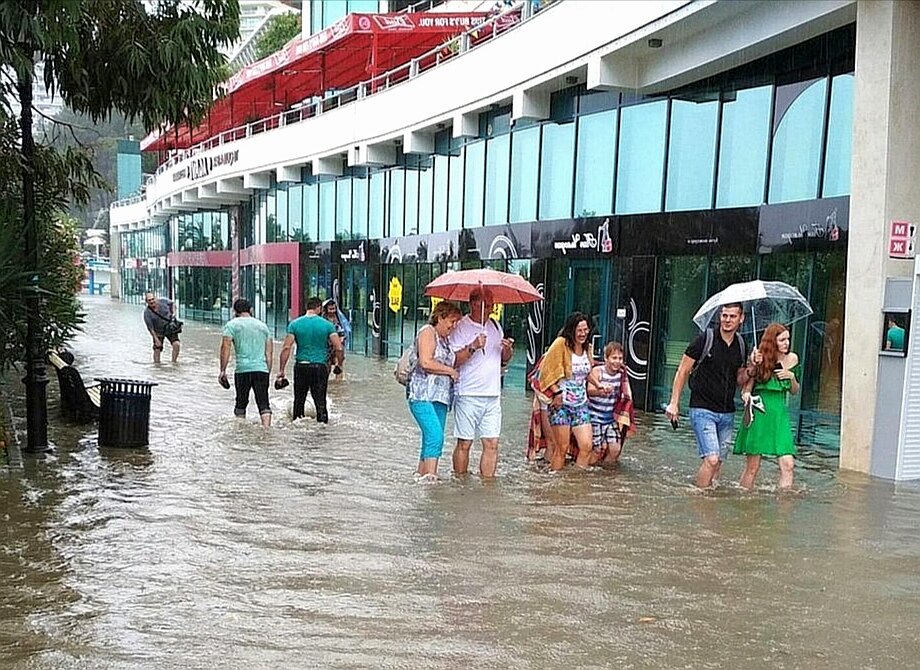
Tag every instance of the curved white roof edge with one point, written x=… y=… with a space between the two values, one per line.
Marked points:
x=604 y=45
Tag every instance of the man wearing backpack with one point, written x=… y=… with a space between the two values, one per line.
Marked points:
x=716 y=374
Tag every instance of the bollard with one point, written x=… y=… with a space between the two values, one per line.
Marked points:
x=124 y=412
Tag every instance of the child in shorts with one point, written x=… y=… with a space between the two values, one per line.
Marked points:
x=608 y=390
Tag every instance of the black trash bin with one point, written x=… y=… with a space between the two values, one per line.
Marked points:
x=124 y=412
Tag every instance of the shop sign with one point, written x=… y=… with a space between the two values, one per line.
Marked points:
x=394 y=295
x=593 y=237
x=198 y=168
x=353 y=254
x=901 y=240
x=813 y=225
x=600 y=242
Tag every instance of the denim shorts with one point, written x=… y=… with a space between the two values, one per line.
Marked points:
x=713 y=431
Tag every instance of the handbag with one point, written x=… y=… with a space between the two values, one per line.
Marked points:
x=173 y=326
x=406 y=364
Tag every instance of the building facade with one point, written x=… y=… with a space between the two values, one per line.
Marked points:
x=660 y=151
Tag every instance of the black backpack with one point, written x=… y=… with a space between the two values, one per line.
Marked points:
x=707 y=350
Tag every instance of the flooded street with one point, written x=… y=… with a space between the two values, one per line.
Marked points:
x=226 y=546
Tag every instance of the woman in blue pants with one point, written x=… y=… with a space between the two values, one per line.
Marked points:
x=431 y=384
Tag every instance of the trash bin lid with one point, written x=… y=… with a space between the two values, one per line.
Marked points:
x=120 y=380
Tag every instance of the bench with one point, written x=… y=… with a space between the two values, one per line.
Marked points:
x=79 y=402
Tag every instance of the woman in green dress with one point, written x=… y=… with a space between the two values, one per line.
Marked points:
x=768 y=433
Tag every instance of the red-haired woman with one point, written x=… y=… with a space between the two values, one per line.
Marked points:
x=769 y=433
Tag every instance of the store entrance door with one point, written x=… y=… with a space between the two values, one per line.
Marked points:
x=355 y=303
x=588 y=291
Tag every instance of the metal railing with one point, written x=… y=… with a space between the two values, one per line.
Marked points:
x=485 y=32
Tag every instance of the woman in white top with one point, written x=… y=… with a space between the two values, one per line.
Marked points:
x=563 y=375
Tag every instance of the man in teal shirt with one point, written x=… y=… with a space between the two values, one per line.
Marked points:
x=313 y=334
x=894 y=337
x=252 y=342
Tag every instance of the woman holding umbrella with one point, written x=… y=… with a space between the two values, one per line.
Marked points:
x=563 y=377
x=769 y=433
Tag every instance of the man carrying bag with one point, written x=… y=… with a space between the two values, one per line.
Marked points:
x=161 y=322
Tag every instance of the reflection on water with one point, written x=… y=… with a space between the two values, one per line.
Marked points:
x=308 y=546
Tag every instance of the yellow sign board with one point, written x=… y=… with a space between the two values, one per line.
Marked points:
x=394 y=296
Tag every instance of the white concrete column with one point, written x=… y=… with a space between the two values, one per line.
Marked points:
x=885 y=169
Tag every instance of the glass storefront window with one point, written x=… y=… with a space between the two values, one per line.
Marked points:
x=376 y=204
x=359 y=206
x=343 y=208
x=594 y=163
x=525 y=167
x=439 y=208
x=411 y=224
x=799 y=130
x=311 y=212
x=557 y=164
x=295 y=213
x=271 y=216
x=474 y=184
x=281 y=206
x=455 y=192
x=396 y=194
x=691 y=155
x=743 y=147
x=363 y=6
x=498 y=157
x=333 y=10
x=640 y=163
x=425 y=185
x=261 y=218
x=326 y=211
x=839 y=138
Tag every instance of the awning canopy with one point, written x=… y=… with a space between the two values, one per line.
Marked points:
x=354 y=49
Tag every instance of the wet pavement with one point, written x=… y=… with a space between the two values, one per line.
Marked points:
x=227 y=546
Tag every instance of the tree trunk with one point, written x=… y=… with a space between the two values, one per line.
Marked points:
x=36 y=379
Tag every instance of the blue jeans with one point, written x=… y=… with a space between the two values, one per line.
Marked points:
x=431 y=418
x=713 y=431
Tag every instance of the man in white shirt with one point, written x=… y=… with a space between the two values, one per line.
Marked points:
x=481 y=350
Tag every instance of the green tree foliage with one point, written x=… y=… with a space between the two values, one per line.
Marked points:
x=158 y=62
x=60 y=277
x=280 y=30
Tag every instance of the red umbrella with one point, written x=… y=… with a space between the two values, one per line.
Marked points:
x=506 y=288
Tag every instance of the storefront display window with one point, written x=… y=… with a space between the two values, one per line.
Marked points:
x=743 y=146
x=799 y=131
x=640 y=163
x=691 y=154
x=594 y=164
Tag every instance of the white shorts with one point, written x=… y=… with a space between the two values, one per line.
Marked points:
x=477 y=416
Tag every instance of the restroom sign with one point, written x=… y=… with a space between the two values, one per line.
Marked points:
x=901 y=240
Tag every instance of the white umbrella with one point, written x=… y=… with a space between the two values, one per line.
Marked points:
x=763 y=301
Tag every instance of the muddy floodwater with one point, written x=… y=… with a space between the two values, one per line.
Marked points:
x=227 y=546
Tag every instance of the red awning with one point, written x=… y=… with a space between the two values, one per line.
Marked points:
x=354 y=49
